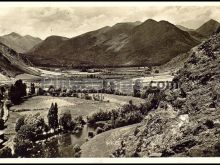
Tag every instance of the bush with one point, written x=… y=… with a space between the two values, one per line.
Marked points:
x=99 y=116
x=137 y=88
x=23 y=148
x=77 y=151
x=120 y=122
x=19 y=123
x=66 y=122
x=209 y=124
x=29 y=127
x=41 y=92
x=99 y=130
x=91 y=134
x=2 y=123
x=87 y=97
x=136 y=131
x=107 y=127
x=5 y=152
x=134 y=117
x=80 y=120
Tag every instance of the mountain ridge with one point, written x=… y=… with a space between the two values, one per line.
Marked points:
x=19 y=43
x=103 y=46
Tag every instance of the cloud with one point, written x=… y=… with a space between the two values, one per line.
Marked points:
x=71 y=21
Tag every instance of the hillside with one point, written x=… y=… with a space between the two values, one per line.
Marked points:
x=201 y=34
x=124 y=44
x=189 y=126
x=19 y=43
x=209 y=28
x=13 y=63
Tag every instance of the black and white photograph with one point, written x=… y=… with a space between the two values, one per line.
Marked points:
x=109 y=80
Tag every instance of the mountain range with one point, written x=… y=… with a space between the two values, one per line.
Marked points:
x=124 y=44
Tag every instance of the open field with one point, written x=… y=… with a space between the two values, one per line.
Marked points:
x=76 y=106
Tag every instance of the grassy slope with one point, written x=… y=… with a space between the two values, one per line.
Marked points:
x=104 y=144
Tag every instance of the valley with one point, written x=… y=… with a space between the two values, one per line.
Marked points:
x=134 y=89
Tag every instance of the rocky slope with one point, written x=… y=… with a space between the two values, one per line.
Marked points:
x=13 y=63
x=19 y=43
x=124 y=44
x=189 y=125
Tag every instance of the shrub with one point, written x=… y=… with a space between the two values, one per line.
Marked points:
x=66 y=122
x=80 y=120
x=136 y=131
x=133 y=117
x=26 y=132
x=29 y=127
x=209 y=124
x=91 y=134
x=107 y=127
x=99 y=130
x=2 y=123
x=22 y=148
x=137 y=88
x=19 y=123
x=99 y=116
x=87 y=97
x=5 y=152
x=120 y=122
x=40 y=92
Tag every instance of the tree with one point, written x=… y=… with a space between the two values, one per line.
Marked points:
x=66 y=122
x=17 y=91
x=53 y=116
x=112 y=87
x=2 y=91
x=32 y=89
x=137 y=88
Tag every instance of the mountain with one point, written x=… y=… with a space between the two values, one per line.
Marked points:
x=186 y=122
x=209 y=28
x=13 y=63
x=183 y=28
x=19 y=43
x=124 y=44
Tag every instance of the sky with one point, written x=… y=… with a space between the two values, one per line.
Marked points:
x=71 y=19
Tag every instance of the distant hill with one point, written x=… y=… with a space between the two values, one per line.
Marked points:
x=184 y=28
x=124 y=44
x=13 y=63
x=208 y=28
x=19 y=43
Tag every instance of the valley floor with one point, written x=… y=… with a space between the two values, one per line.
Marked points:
x=76 y=106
